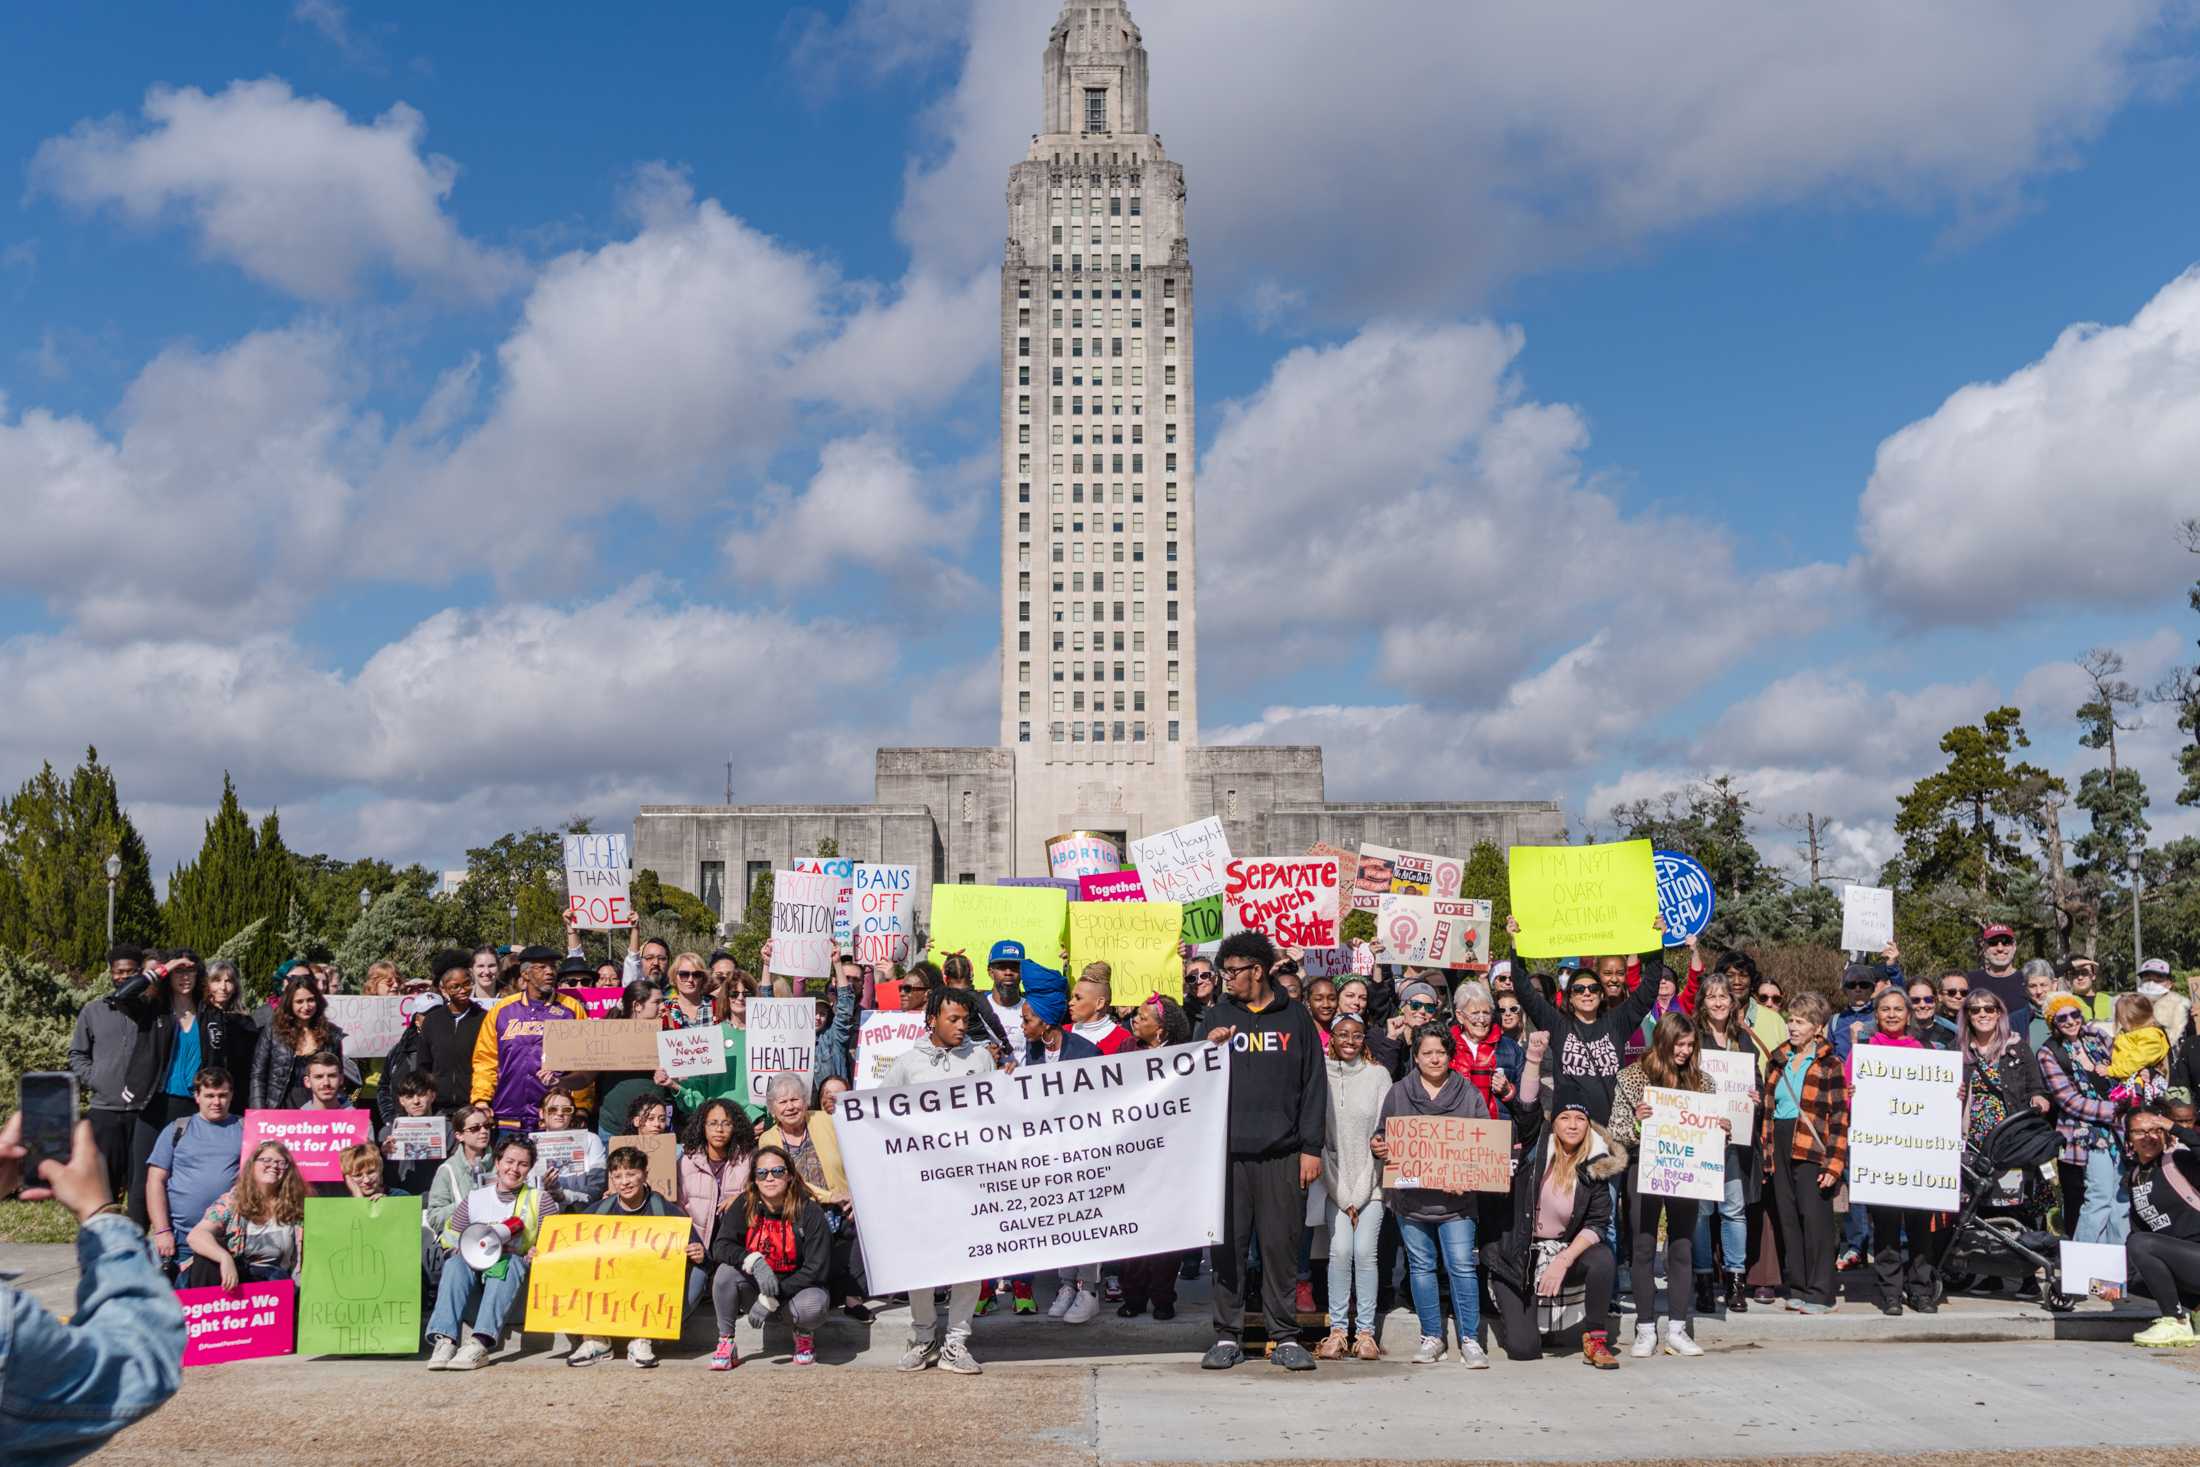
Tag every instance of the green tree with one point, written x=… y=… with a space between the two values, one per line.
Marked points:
x=38 y=1005
x=55 y=838
x=2181 y=690
x=404 y=925
x=230 y=885
x=1359 y=926
x=1484 y=877
x=1962 y=862
x=502 y=874
x=326 y=891
x=652 y=896
x=1709 y=820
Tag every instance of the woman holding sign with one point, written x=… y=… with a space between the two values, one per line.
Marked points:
x=1550 y=1270
x=1434 y=1222
x=1720 y=1029
x=1905 y=1258
x=1670 y=1064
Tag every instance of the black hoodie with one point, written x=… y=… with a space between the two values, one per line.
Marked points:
x=1279 y=1085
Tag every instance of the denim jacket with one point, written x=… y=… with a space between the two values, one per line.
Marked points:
x=66 y=1388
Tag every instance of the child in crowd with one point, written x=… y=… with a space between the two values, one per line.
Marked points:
x=2139 y=1059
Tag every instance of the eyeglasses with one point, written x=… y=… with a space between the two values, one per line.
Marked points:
x=2001 y=942
x=1923 y=1001
x=274 y=1161
x=1955 y=992
x=476 y=1126
x=1422 y=1005
x=1239 y=970
x=1768 y=995
x=769 y=1171
x=2070 y=1016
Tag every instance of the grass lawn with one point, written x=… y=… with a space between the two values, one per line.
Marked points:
x=36 y=1222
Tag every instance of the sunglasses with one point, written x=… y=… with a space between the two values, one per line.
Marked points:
x=1585 y=988
x=1982 y=1008
x=2001 y=942
x=1922 y=1003
x=1508 y=1008
x=1768 y=995
x=770 y=1171
x=1422 y=1006
x=1953 y=992
x=2070 y=1017
x=476 y=1126
x=690 y=973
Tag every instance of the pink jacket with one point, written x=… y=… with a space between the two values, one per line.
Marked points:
x=702 y=1193
x=1877 y=1036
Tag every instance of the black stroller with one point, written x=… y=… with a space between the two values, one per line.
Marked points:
x=2001 y=1231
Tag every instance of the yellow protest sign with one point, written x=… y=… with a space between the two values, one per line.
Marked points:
x=970 y=919
x=1585 y=901
x=1138 y=942
x=598 y=1274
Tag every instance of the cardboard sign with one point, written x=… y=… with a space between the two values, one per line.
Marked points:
x=1386 y=870
x=1296 y=900
x=1184 y=864
x=609 y=1274
x=1683 y=1149
x=1585 y=901
x=1082 y=853
x=372 y=1022
x=1111 y=886
x=597 y=877
x=884 y=1037
x=663 y=1150
x=601 y=1044
x=1734 y=1071
x=316 y=1138
x=1448 y=1154
x=600 y=1003
x=1905 y=1128
x=257 y=1321
x=361 y=1290
x=782 y=1040
x=882 y=911
x=1137 y=940
x=1434 y=932
x=970 y=919
x=1066 y=887
x=1867 y=918
x=842 y=870
x=802 y=923
x=417 y=1138
x=1685 y=898
x=685 y=1052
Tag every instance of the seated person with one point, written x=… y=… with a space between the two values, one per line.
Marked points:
x=630 y=1196
x=193 y=1163
x=580 y=1182
x=478 y=1303
x=772 y=1247
x=255 y=1231
x=415 y=1099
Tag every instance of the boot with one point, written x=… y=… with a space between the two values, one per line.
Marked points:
x=1707 y=1294
x=1737 y=1291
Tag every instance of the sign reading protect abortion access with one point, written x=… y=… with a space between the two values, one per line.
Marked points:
x=1048 y=1166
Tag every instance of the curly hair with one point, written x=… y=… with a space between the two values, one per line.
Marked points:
x=741 y=1143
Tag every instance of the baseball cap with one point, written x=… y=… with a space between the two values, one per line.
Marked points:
x=1997 y=929
x=1007 y=950
x=2156 y=966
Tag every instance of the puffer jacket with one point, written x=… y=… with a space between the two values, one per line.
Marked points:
x=276 y=1066
x=1507 y=1226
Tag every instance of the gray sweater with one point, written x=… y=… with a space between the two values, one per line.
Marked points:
x=1356 y=1094
x=100 y=1050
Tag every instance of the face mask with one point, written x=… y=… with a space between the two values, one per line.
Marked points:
x=2154 y=988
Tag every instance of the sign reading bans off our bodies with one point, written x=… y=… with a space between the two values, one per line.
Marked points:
x=1044 y=1167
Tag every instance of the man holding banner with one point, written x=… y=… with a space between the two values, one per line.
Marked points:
x=1279 y=1114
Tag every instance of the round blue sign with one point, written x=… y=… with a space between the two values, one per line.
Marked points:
x=1684 y=896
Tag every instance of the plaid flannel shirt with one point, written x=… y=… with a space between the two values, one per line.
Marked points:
x=1824 y=1102
x=2084 y=1115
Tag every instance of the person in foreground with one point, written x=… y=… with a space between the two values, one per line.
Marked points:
x=2163 y=1252
x=773 y=1247
x=945 y=1053
x=66 y=1388
x=1544 y=1244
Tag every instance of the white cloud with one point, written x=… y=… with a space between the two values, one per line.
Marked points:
x=2062 y=483
x=867 y=504
x=1357 y=146
x=287 y=188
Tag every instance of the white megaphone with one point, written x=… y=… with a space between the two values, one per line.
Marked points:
x=482 y=1244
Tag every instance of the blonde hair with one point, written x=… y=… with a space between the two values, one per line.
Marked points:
x=2133 y=1011
x=365 y=1156
x=1096 y=972
x=1811 y=1008
x=1565 y=1163
x=381 y=978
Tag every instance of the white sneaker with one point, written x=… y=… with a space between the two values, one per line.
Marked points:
x=439 y=1358
x=1431 y=1351
x=956 y=1359
x=641 y=1354
x=1064 y=1296
x=1677 y=1341
x=588 y=1352
x=917 y=1356
x=470 y=1355
x=1473 y=1356
x=1646 y=1340
x=1082 y=1308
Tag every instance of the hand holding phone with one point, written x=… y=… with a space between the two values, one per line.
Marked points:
x=47 y=1103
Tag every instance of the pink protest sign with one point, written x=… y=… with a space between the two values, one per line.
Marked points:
x=601 y=1003
x=316 y=1138
x=257 y=1321
x=1113 y=886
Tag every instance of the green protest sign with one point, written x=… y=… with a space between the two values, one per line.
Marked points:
x=1203 y=921
x=361 y=1291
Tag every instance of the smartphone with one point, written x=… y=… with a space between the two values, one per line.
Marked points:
x=48 y=1105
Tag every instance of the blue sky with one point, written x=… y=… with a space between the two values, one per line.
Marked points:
x=623 y=400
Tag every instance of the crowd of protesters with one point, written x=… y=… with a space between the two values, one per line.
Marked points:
x=170 y=1058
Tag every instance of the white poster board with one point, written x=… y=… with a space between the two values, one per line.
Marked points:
x=1184 y=864
x=802 y=923
x=2094 y=1268
x=1683 y=1146
x=782 y=1040
x=1048 y=1166
x=881 y=911
x=685 y=1052
x=1734 y=1071
x=1905 y=1128
x=372 y=1023
x=884 y=1037
x=598 y=878
x=1433 y=932
x=1867 y=918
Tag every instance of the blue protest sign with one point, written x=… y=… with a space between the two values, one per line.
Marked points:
x=1684 y=896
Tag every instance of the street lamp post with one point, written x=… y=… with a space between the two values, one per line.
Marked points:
x=2138 y=885
x=513 y=936
x=113 y=869
x=366 y=899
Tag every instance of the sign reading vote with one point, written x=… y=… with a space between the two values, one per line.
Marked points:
x=1585 y=901
x=802 y=923
x=257 y=1321
x=1296 y=900
x=1137 y=940
x=1684 y=896
x=1385 y=870
x=608 y=1274
x=1436 y=932
x=601 y=1044
x=361 y=1290
x=1184 y=864
x=597 y=878
x=1448 y=1153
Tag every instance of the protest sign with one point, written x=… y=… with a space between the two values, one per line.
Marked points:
x=884 y=1037
x=608 y=1274
x=1326 y=962
x=1448 y=1153
x=663 y=1150
x=1063 y=885
x=882 y=909
x=600 y=1003
x=841 y=870
x=1082 y=853
x=1137 y=940
x=685 y=1052
x=361 y=1290
x=1294 y=899
x=1385 y=869
x=1683 y=1147
x=316 y=1138
x=1734 y=1071
x=1348 y=871
x=1184 y=864
x=418 y=1138
x=372 y=1022
x=257 y=1321
x=1203 y=922
x=557 y=1150
x=1111 y=886
x=601 y=1044
x=782 y=1040
x=597 y=878
x=1905 y=1128
x=1867 y=918
x=802 y=923
x=970 y=919
x=1684 y=895
x=1046 y=1166
x=2095 y=1268
x=1434 y=932
x=1585 y=901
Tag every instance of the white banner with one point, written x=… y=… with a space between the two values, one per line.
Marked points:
x=782 y=1040
x=1045 y=1167
x=372 y=1022
x=1906 y=1128
x=886 y=1034
x=1867 y=918
x=1683 y=1148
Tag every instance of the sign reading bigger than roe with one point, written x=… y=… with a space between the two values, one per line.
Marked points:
x=1906 y=1128
x=597 y=882
x=1044 y=1167
x=1585 y=901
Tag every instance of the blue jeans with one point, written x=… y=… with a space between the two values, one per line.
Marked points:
x=465 y=1295
x=1352 y=1253
x=2105 y=1216
x=1456 y=1238
x=1733 y=1231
